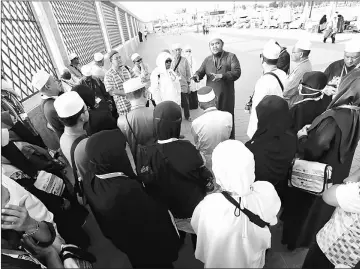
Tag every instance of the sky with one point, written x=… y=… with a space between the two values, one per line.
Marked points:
x=148 y=11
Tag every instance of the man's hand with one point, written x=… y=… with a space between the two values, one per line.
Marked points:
x=216 y=77
x=17 y=218
x=303 y=131
x=195 y=78
x=330 y=90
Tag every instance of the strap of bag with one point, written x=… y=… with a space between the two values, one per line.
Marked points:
x=252 y=217
x=131 y=129
x=177 y=64
x=72 y=152
x=275 y=76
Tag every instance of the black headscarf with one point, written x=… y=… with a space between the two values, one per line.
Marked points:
x=323 y=19
x=107 y=154
x=315 y=79
x=167 y=120
x=348 y=120
x=100 y=117
x=273 y=144
x=86 y=94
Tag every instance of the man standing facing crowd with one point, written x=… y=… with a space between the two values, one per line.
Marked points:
x=222 y=69
x=114 y=79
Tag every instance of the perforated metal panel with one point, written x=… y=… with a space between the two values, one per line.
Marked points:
x=135 y=28
x=80 y=28
x=123 y=25
x=23 y=50
x=112 y=26
x=131 y=30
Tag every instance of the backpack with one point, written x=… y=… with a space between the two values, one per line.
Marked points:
x=78 y=185
x=144 y=171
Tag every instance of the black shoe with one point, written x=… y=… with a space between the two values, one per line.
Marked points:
x=324 y=40
x=181 y=136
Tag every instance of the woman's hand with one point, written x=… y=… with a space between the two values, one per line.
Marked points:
x=303 y=131
x=17 y=218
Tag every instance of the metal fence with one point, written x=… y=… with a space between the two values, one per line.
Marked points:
x=80 y=28
x=123 y=25
x=130 y=26
x=111 y=24
x=23 y=50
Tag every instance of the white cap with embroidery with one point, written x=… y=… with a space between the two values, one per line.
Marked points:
x=271 y=50
x=98 y=57
x=40 y=79
x=68 y=104
x=133 y=85
x=86 y=70
x=303 y=44
x=134 y=56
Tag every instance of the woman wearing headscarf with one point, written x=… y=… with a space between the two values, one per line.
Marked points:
x=273 y=144
x=331 y=139
x=182 y=179
x=165 y=84
x=134 y=222
x=226 y=238
x=314 y=101
x=322 y=24
x=100 y=117
x=193 y=100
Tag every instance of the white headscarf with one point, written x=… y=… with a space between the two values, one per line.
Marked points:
x=224 y=240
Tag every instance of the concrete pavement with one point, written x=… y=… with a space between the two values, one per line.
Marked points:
x=247 y=48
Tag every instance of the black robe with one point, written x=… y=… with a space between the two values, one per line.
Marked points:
x=305 y=112
x=133 y=221
x=224 y=88
x=305 y=214
x=335 y=69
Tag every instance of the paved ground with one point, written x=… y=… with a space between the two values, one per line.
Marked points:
x=247 y=47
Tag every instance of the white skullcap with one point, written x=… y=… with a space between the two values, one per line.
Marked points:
x=5 y=137
x=97 y=72
x=271 y=50
x=353 y=45
x=133 y=85
x=86 y=70
x=68 y=104
x=134 y=56
x=98 y=57
x=176 y=46
x=39 y=79
x=72 y=56
x=303 y=44
x=187 y=47
x=205 y=94
x=214 y=37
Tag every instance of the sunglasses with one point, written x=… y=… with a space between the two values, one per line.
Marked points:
x=187 y=50
x=168 y=61
x=138 y=61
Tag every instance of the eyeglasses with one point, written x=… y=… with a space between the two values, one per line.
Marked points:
x=168 y=61
x=187 y=50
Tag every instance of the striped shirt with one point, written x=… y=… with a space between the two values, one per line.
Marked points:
x=114 y=82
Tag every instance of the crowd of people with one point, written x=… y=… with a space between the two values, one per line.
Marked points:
x=148 y=187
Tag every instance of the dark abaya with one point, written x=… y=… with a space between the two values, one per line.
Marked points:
x=180 y=171
x=313 y=102
x=133 y=221
x=227 y=64
x=273 y=144
x=100 y=117
x=332 y=139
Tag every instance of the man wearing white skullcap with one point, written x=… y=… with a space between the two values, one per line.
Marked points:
x=50 y=88
x=74 y=66
x=181 y=67
x=338 y=69
x=212 y=127
x=222 y=69
x=137 y=125
x=73 y=114
x=97 y=69
x=299 y=66
x=270 y=83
